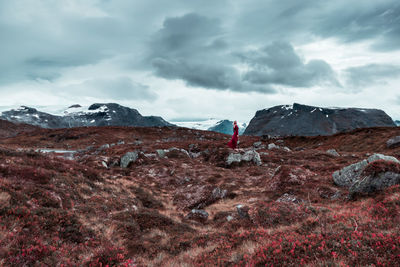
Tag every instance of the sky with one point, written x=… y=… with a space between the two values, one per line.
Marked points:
x=197 y=59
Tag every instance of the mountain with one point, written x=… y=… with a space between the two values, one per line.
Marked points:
x=303 y=120
x=98 y=114
x=226 y=127
x=397 y=122
x=215 y=125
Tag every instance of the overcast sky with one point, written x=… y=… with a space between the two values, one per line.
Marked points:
x=184 y=59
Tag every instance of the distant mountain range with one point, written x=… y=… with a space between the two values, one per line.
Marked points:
x=99 y=114
x=215 y=125
x=303 y=120
x=397 y=122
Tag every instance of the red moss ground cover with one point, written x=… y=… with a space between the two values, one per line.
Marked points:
x=60 y=212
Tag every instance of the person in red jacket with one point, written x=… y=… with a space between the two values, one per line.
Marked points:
x=235 y=137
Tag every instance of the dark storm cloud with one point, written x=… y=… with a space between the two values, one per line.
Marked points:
x=371 y=74
x=192 y=48
x=300 y=21
x=278 y=63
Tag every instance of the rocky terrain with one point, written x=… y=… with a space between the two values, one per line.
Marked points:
x=302 y=120
x=98 y=114
x=169 y=196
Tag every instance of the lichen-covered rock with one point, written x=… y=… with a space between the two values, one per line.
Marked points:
x=198 y=196
x=393 y=142
x=197 y=215
x=370 y=175
x=350 y=174
x=249 y=156
x=128 y=158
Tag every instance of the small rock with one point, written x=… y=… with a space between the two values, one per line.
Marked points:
x=393 y=142
x=138 y=142
x=128 y=158
x=197 y=215
x=160 y=153
x=272 y=146
x=4 y=200
x=333 y=152
x=257 y=144
x=288 y=198
x=104 y=147
x=121 y=142
x=243 y=211
x=229 y=218
x=104 y=164
x=286 y=149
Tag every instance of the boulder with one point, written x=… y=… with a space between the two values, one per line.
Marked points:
x=369 y=175
x=128 y=158
x=198 y=196
x=249 y=156
x=333 y=152
x=350 y=174
x=243 y=211
x=197 y=215
x=393 y=142
x=160 y=153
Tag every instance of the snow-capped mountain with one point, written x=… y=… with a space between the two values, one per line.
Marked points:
x=215 y=125
x=99 y=114
x=298 y=119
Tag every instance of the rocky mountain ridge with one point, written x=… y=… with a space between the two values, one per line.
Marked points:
x=98 y=114
x=303 y=120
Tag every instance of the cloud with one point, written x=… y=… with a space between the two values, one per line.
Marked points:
x=279 y=64
x=371 y=74
x=191 y=48
x=121 y=88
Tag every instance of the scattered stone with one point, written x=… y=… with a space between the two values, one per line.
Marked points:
x=229 y=218
x=259 y=145
x=160 y=153
x=286 y=149
x=138 y=142
x=103 y=147
x=4 y=200
x=174 y=152
x=289 y=199
x=104 y=164
x=393 y=142
x=197 y=215
x=369 y=175
x=243 y=211
x=194 y=155
x=272 y=146
x=263 y=153
x=128 y=158
x=333 y=152
x=121 y=142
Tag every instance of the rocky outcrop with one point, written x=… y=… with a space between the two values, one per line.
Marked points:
x=302 y=120
x=333 y=152
x=99 y=114
x=369 y=175
x=197 y=215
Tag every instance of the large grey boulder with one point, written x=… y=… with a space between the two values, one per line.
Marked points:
x=393 y=142
x=353 y=176
x=128 y=158
x=251 y=156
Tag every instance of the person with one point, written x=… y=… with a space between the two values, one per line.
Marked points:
x=235 y=137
